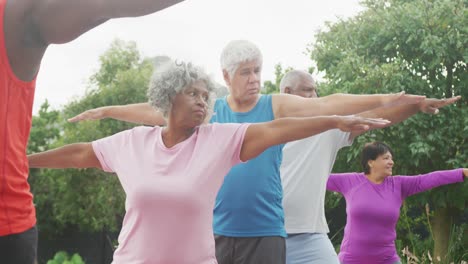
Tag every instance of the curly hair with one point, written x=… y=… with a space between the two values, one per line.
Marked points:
x=172 y=78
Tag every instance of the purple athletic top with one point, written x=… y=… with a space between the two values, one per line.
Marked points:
x=373 y=211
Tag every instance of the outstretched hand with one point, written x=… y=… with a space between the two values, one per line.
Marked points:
x=402 y=98
x=431 y=106
x=360 y=124
x=92 y=114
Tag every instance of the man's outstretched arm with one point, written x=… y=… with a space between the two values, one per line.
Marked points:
x=30 y=26
x=397 y=114
x=285 y=105
x=60 y=21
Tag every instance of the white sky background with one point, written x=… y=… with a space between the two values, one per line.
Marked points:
x=197 y=31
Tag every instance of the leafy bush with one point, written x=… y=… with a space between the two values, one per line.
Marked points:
x=62 y=257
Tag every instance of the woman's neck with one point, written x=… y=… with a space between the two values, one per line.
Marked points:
x=172 y=135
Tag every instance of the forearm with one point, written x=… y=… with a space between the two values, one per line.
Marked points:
x=348 y=104
x=337 y=104
x=64 y=20
x=78 y=155
x=395 y=114
x=261 y=136
x=141 y=113
x=421 y=183
x=135 y=8
x=284 y=130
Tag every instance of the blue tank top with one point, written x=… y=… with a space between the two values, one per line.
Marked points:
x=249 y=203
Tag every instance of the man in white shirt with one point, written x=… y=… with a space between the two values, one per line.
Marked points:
x=306 y=167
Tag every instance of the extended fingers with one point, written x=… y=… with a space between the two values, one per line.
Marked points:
x=451 y=100
x=75 y=118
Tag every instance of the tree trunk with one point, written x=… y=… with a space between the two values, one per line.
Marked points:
x=442 y=223
x=449 y=88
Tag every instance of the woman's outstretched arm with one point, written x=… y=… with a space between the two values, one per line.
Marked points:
x=78 y=155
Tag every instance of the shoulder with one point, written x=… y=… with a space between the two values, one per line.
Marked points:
x=220 y=101
x=349 y=176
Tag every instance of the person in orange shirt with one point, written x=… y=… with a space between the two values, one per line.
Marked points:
x=27 y=28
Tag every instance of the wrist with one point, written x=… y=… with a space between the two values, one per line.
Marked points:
x=335 y=121
x=110 y=111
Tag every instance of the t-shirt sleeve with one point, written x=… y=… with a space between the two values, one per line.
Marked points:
x=415 y=184
x=227 y=140
x=107 y=149
x=342 y=139
x=340 y=182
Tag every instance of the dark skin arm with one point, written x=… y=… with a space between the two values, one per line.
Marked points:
x=260 y=136
x=397 y=114
x=32 y=25
x=77 y=155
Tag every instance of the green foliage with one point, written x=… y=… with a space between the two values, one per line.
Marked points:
x=269 y=87
x=62 y=257
x=45 y=131
x=419 y=46
x=88 y=198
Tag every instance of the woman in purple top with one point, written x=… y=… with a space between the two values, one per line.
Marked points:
x=373 y=201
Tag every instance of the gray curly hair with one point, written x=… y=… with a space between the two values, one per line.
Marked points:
x=172 y=78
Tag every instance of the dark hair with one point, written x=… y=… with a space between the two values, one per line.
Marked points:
x=371 y=151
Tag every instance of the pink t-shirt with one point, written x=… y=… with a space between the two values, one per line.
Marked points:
x=170 y=191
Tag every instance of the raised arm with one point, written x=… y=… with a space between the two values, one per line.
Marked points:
x=78 y=155
x=141 y=113
x=285 y=105
x=261 y=136
x=31 y=25
x=397 y=114
x=415 y=184
x=60 y=21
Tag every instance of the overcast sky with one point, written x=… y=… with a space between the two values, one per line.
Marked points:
x=194 y=30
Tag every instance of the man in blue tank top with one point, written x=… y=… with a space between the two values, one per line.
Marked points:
x=248 y=215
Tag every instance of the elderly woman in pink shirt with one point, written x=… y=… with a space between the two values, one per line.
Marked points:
x=171 y=174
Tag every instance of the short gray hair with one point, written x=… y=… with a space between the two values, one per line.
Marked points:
x=237 y=52
x=291 y=78
x=172 y=78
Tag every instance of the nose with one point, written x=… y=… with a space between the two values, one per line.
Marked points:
x=254 y=76
x=200 y=100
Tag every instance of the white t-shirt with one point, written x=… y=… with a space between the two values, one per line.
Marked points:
x=304 y=171
x=170 y=191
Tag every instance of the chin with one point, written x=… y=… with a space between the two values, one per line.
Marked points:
x=198 y=122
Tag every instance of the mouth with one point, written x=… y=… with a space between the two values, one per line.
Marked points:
x=199 y=112
x=253 y=90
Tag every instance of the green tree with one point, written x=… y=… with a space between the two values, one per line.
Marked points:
x=45 y=131
x=270 y=87
x=91 y=199
x=418 y=46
